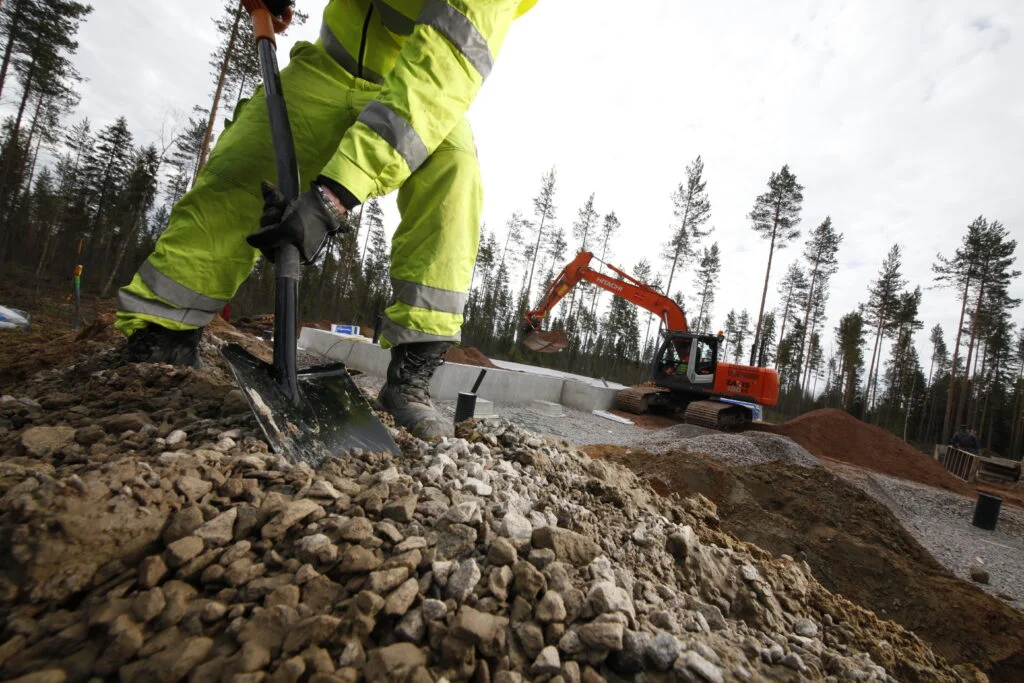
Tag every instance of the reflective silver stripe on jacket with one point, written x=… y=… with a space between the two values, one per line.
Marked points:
x=460 y=32
x=393 y=20
x=338 y=52
x=430 y=298
x=177 y=293
x=396 y=334
x=398 y=132
x=131 y=303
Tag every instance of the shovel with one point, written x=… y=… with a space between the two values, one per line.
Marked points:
x=315 y=414
x=536 y=339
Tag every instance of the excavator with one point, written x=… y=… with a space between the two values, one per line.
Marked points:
x=687 y=375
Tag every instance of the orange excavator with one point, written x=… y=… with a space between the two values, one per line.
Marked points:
x=687 y=375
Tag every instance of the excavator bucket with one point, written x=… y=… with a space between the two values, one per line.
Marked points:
x=546 y=342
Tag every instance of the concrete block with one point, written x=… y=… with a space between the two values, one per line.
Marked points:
x=484 y=409
x=586 y=397
x=549 y=408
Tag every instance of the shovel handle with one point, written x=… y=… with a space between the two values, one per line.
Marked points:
x=264 y=23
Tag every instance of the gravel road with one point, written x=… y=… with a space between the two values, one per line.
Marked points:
x=941 y=522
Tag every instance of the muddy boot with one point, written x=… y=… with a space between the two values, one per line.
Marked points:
x=155 y=344
x=406 y=395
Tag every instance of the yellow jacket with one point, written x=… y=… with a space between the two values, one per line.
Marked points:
x=430 y=58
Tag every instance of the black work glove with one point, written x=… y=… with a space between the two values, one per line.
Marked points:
x=277 y=7
x=306 y=222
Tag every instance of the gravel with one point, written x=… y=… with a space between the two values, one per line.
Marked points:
x=941 y=522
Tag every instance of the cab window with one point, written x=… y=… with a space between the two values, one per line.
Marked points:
x=705 y=358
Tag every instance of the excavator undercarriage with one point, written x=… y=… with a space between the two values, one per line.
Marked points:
x=710 y=414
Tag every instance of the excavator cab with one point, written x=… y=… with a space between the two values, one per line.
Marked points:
x=686 y=361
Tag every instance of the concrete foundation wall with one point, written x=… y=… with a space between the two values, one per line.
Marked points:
x=499 y=385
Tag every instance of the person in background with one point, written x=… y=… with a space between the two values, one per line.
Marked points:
x=965 y=440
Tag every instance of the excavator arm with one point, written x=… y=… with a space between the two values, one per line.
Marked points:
x=625 y=286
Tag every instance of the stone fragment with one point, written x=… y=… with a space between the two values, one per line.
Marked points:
x=152 y=571
x=463 y=580
x=219 y=530
x=401 y=598
x=193 y=488
x=289 y=671
x=604 y=597
x=463 y=513
x=501 y=552
x=401 y=509
x=358 y=559
x=529 y=582
x=116 y=424
x=630 y=659
x=979 y=575
x=41 y=442
x=793 y=661
x=311 y=631
x=550 y=608
x=547 y=662
x=602 y=635
x=175 y=662
x=122 y=648
x=89 y=434
x=386 y=580
x=806 y=628
x=486 y=631
x=183 y=523
x=514 y=525
x=498 y=582
x=356 y=530
x=147 y=605
x=433 y=609
x=288 y=594
x=394 y=662
x=412 y=627
x=456 y=541
x=316 y=548
x=568 y=546
x=183 y=550
x=531 y=637
x=662 y=651
x=477 y=487
x=293 y=512
x=694 y=663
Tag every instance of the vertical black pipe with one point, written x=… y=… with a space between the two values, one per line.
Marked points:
x=286 y=261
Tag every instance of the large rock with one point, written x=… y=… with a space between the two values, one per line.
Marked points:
x=569 y=546
x=293 y=512
x=486 y=631
x=40 y=442
x=220 y=529
x=394 y=663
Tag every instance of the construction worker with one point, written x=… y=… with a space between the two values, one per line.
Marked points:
x=376 y=104
x=965 y=440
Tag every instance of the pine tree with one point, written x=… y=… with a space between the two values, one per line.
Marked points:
x=793 y=292
x=850 y=335
x=880 y=310
x=774 y=217
x=767 y=340
x=820 y=254
x=544 y=210
x=706 y=280
x=609 y=228
x=692 y=209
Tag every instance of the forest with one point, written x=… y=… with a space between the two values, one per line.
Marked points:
x=75 y=191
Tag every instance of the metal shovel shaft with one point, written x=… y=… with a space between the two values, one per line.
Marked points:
x=286 y=261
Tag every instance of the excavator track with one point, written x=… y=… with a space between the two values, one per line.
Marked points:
x=638 y=400
x=716 y=415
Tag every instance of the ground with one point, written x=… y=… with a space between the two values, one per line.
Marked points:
x=109 y=472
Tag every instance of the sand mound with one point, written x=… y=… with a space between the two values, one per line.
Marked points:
x=833 y=434
x=468 y=355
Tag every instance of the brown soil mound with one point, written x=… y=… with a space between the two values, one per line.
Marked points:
x=854 y=545
x=468 y=355
x=833 y=434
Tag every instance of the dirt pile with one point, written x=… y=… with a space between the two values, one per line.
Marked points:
x=147 y=534
x=854 y=546
x=468 y=355
x=837 y=435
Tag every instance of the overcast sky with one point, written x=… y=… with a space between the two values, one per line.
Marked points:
x=902 y=119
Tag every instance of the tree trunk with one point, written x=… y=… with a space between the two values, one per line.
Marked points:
x=952 y=365
x=871 y=366
x=12 y=34
x=764 y=292
x=962 y=401
x=221 y=77
x=983 y=373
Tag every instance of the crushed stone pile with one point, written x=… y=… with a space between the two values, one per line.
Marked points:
x=148 y=535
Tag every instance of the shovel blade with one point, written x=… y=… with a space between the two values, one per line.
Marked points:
x=330 y=416
x=546 y=342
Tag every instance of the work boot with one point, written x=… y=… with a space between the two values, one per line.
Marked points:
x=156 y=344
x=407 y=395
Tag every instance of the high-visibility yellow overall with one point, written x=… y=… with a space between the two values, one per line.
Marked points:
x=377 y=103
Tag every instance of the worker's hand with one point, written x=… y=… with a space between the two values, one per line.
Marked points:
x=306 y=222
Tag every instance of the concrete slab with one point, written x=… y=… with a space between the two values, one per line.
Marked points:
x=549 y=408
x=502 y=385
